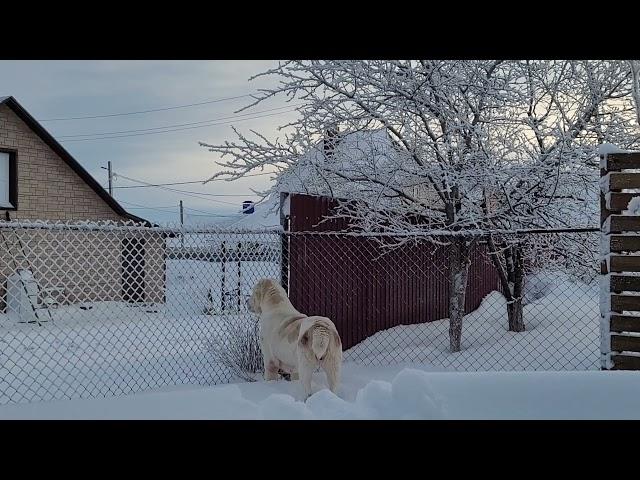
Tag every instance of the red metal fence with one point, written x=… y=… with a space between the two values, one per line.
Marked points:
x=365 y=288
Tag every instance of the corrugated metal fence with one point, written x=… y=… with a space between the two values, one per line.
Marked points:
x=365 y=288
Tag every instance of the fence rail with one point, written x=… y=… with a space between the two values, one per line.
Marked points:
x=99 y=309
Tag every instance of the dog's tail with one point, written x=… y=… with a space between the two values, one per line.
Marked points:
x=320 y=338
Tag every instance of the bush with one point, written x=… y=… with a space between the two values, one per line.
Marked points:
x=238 y=349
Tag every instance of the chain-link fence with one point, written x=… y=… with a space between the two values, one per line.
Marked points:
x=91 y=310
x=99 y=309
x=530 y=302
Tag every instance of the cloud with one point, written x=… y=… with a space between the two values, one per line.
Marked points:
x=50 y=89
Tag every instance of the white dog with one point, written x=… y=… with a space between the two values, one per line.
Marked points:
x=293 y=342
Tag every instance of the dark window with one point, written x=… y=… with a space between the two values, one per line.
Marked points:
x=8 y=181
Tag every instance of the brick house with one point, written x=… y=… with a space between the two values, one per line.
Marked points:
x=40 y=180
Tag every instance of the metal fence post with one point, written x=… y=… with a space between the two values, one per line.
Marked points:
x=223 y=289
x=284 y=244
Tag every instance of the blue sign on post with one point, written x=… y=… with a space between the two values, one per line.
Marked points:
x=247 y=206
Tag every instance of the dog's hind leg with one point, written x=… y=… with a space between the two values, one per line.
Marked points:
x=305 y=378
x=270 y=370
x=331 y=368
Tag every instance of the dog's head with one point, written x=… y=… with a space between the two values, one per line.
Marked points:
x=260 y=291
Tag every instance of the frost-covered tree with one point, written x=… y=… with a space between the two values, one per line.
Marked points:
x=457 y=147
x=635 y=76
x=546 y=168
x=435 y=113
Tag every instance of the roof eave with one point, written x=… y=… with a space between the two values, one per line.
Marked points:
x=46 y=137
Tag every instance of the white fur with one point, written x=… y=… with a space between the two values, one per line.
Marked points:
x=293 y=342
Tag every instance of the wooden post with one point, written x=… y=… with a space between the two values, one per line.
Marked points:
x=619 y=256
x=605 y=337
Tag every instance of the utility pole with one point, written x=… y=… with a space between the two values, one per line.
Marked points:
x=110 y=178
x=110 y=173
x=181 y=224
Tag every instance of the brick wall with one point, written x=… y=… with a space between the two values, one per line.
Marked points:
x=88 y=265
x=48 y=189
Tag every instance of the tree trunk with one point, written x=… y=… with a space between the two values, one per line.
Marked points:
x=511 y=275
x=459 y=273
x=514 y=311
x=516 y=278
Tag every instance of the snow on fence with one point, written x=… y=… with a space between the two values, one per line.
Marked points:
x=620 y=261
x=100 y=309
x=90 y=310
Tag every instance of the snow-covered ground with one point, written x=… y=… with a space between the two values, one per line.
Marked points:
x=116 y=349
x=370 y=393
x=562 y=322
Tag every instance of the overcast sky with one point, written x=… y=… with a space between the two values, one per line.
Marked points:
x=62 y=89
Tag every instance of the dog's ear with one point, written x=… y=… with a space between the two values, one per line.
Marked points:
x=254 y=307
x=252 y=302
x=304 y=340
x=261 y=288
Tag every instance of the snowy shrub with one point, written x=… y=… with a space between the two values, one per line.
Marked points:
x=238 y=349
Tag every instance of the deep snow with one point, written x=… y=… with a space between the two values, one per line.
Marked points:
x=369 y=393
x=562 y=333
x=115 y=349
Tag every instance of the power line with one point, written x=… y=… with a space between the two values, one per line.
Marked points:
x=176 y=125
x=137 y=205
x=178 y=129
x=160 y=209
x=144 y=111
x=210 y=215
x=191 y=182
x=184 y=192
x=160 y=184
x=207 y=214
x=240 y=218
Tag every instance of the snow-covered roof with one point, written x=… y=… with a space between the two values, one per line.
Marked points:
x=370 y=152
x=607 y=148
